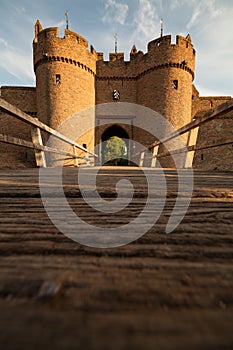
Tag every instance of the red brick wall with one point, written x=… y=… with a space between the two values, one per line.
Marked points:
x=221 y=157
x=23 y=98
x=86 y=80
x=200 y=103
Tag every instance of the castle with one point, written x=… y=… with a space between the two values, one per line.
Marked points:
x=71 y=77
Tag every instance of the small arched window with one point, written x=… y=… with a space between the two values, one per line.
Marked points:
x=175 y=84
x=58 y=79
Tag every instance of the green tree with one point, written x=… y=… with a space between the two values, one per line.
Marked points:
x=115 y=150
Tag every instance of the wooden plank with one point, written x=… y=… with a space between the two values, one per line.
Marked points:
x=160 y=292
x=23 y=143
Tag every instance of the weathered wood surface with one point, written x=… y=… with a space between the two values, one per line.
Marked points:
x=161 y=292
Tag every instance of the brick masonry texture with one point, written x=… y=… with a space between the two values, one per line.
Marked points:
x=70 y=77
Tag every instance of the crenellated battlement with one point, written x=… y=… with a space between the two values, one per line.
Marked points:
x=161 y=54
x=166 y=42
x=72 y=49
x=71 y=39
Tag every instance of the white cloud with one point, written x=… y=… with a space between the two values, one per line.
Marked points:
x=214 y=45
x=146 y=21
x=3 y=42
x=203 y=10
x=115 y=12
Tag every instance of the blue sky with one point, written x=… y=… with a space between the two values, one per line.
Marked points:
x=209 y=22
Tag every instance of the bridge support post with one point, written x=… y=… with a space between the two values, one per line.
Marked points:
x=154 y=154
x=142 y=159
x=75 y=158
x=37 y=140
x=192 y=140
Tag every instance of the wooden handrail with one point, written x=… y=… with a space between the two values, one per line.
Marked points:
x=17 y=113
x=38 y=146
x=209 y=115
x=23 y=143
x=190 y=149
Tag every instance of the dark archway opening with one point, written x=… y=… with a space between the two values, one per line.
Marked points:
x=115 y=146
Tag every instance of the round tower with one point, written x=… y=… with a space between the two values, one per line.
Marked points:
x=165 y=76
x=65 y=75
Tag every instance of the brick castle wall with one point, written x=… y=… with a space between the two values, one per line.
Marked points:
x=216 y=130
x=217 y=158
x=23 y=98
x=71 y=78
x=148 y=79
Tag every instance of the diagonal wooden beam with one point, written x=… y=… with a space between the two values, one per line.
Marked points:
x=209 y=115
x=17 y=113
x=23 y=143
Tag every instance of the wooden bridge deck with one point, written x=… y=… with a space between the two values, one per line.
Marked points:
x=161 y=292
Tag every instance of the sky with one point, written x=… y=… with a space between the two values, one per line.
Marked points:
x=209 y=22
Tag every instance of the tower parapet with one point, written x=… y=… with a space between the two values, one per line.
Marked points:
x=182 y=53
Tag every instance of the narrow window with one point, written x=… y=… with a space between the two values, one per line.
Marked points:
x=211 y=103
x=202 y=156
x=58 y=79
x=175 y=84
x=77 y=39
x=115 y=95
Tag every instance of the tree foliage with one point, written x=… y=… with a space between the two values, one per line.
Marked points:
x=115 y=149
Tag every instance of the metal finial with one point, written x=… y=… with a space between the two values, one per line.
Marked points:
x=161 y=24
x=67 y=20
x=115 y=37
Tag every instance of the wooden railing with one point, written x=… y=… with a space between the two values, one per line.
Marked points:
x=37 y=143
x=192 y=130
